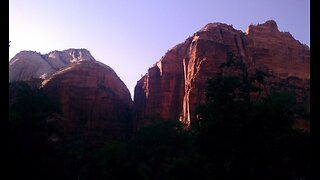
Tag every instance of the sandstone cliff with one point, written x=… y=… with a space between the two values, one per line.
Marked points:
x=28 y=64
x=278 y=51
x=95 y=102
x=174 y=86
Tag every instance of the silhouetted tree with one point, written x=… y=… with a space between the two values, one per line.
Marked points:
x=30 y=149
x=241 y=138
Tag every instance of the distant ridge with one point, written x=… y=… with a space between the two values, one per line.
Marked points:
x=30 y=64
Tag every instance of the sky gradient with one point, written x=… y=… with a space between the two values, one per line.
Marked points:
x=131 y=35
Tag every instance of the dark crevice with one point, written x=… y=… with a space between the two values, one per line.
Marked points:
x=236 y=42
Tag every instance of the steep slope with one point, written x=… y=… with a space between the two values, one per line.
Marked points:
x=28 y=64
x=95 y=102
x=175 y=85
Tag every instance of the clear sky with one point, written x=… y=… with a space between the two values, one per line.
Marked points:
x=131 y=35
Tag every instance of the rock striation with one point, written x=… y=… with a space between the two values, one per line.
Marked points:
x=176 y=84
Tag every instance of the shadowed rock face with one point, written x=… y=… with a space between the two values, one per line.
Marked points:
x=278 y=51
x=95 y=102
x=28 y=64
x=174 y=86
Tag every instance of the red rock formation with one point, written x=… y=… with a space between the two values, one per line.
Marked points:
x=177 y=82
x=160 y=91
x=95 y=102
x=278 y=51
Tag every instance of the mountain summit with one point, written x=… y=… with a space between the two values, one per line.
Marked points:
x=176 y=84
x=29 y=64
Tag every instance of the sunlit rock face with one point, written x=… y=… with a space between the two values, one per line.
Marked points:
x=176 y=84
x=29 y=64
x=96 y=103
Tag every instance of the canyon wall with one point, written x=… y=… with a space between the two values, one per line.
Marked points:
x=176 y=84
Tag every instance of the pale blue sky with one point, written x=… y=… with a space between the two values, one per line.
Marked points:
x=131 y=35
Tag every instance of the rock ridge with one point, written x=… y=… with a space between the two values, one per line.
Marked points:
x=30 y=64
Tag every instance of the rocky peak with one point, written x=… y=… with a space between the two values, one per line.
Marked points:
x=217 y=25
x=25 y=54
x=267 y=27
x=71 y=55
x=79 y=55
x=29 y=64
x=278 y=51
